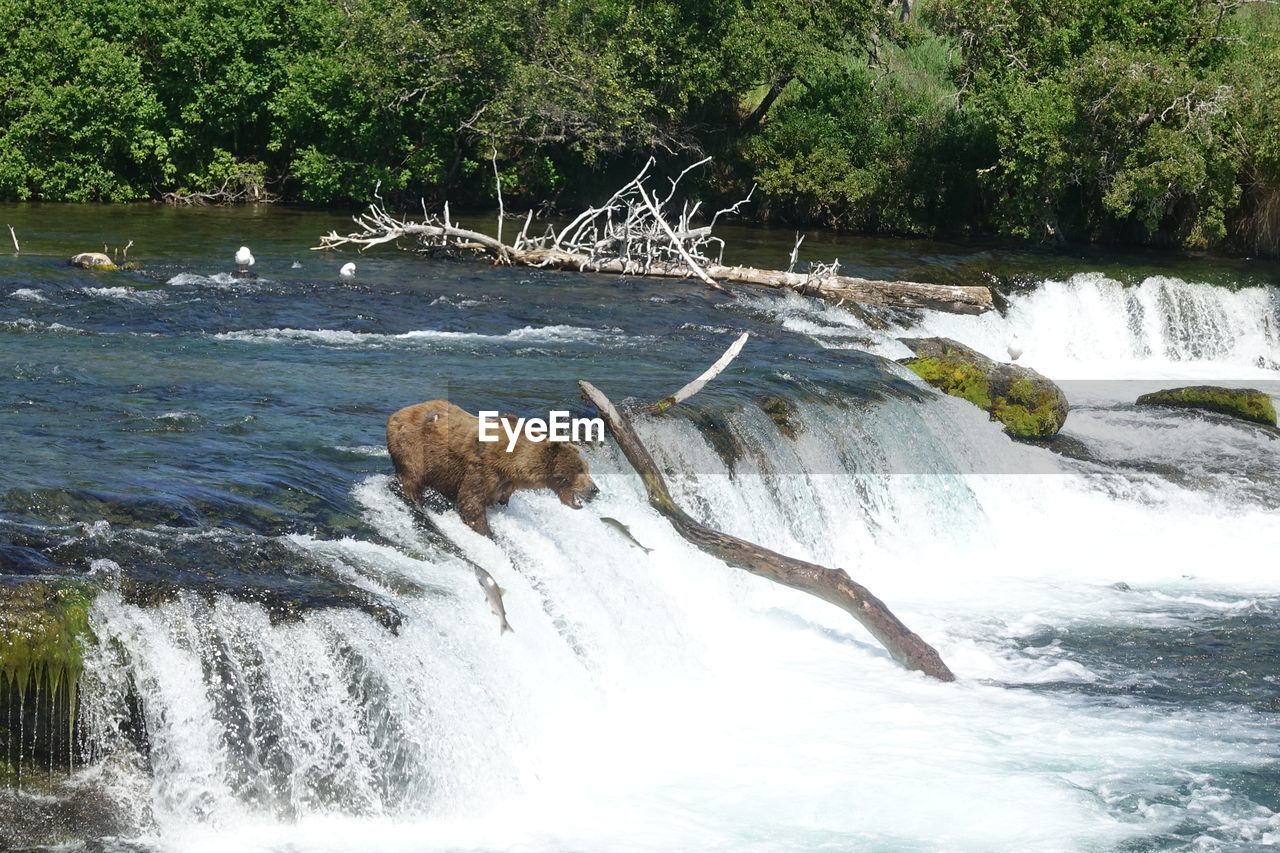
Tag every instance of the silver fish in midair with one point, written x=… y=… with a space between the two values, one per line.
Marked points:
x=625 y=531
x=493 y=593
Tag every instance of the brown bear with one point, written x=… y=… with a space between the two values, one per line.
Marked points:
x=437 y=445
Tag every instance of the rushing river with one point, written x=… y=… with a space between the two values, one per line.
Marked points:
x=287 y=660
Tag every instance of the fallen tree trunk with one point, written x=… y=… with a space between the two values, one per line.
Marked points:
x=956 y=299
x=630 y=235
x=831 y=585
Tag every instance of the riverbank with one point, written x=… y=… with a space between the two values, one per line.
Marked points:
x=57 y=229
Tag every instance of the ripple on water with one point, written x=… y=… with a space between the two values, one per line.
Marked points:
x=124 y=294
x=343 y=338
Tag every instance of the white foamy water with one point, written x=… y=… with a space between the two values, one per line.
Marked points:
x=427 y=337
x=1106 y=344
x=28 y=326
x=1092 y=327
x=1088 y=327
x=665 y=701
x=364 y=450
x=124 y=294
x=221 y=280
x=28 y=294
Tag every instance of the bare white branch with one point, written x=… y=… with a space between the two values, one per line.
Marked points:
x=710 y=373
x=497 y=180
x=631 y=234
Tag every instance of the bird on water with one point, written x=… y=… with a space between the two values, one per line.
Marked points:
x=244 y=260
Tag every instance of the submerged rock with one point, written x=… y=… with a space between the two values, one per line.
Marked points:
x=1247 y=404
x=718 y=432
x=1028 y=404
x=782 y=415
x=120 y=510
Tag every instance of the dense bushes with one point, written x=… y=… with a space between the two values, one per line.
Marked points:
x=1152 y=121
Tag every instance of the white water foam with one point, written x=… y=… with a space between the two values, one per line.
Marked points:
x=26 y=326
x=1092 y=327
x=221 y=280
x=124 y=294
x=364 y=450
x=1106 y=343
x=28 y=294
x=341 y=338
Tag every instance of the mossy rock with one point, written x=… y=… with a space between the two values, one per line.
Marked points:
x=1247 y=404
x=1028 y=404
x=783 y=416
x=955 y=377
x=43 y=628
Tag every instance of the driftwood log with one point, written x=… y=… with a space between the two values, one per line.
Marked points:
x=831 y=585
x=633 y=233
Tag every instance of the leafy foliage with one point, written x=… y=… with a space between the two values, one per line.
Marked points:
x=1128 y=120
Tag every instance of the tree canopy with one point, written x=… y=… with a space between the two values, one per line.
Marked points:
x=1138 y=121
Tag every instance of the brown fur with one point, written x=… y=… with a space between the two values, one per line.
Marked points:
x=437 y=445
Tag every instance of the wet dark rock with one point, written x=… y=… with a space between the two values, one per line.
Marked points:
x=716 y=429
x=53 y=811
x=1246 y=404
x=783 y=416
x=1029 y=404
x=157 y=567
x=271 y=507
x=21 y=560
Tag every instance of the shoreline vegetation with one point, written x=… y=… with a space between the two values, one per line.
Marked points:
x=1139 y=122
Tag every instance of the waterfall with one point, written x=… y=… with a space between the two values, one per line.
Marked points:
x=1108 y=602
x=1090 y=326
x=666 y=701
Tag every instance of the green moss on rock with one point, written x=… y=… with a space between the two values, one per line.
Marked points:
x=1027 y=404
x=954 y=377
x=43 y=628
x=1248 y=404
x=782 y=415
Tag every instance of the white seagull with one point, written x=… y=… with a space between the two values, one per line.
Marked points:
x=1015 y=348
x=348 y=270
x=244 y=259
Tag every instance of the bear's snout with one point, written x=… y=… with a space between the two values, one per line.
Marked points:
x=582 y=489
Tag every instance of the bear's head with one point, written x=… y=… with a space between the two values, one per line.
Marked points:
x=569 y=477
